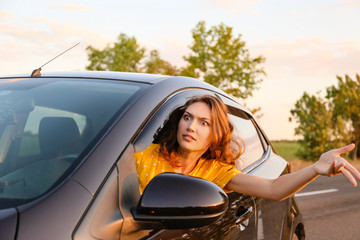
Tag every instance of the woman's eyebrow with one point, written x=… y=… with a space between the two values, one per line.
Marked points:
x=189 y=113
x=192 y=115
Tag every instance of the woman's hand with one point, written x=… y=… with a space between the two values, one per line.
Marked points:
x=331 y=164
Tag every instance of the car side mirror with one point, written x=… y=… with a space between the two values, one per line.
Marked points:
x=180 y=201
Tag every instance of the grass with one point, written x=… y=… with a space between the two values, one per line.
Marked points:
x=287 y=149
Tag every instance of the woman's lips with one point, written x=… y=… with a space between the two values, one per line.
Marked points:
x=188 y=137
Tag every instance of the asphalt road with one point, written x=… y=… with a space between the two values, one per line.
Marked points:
x=331 y=209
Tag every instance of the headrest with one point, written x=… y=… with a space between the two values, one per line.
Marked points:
x=59 y=136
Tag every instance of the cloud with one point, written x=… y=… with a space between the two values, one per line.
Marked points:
x=311 y=58
x=32 y=42
x=43 y=30
x=343 y=7
x=5 y=15
x=296 y=13
x=348 y=4
x=247 y=6
x=72 y=7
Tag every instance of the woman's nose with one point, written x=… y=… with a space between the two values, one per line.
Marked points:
x=192 y=126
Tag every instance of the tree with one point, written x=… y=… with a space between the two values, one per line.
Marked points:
x=222 y=60
x=346 y=100
x=314 y=118
x=330 y=122
x=125 y=55
x=157 y=65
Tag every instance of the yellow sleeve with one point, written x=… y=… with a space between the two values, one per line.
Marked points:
x=225 y=175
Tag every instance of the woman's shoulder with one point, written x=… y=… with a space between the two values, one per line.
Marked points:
x=151 y=149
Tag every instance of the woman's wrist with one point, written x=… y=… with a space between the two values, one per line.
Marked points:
x=315 y=170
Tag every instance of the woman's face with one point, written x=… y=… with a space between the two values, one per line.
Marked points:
x=194 y=129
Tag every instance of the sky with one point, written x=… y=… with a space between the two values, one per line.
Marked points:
x=306 y=43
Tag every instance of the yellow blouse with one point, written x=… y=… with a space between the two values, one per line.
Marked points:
x=150 y=163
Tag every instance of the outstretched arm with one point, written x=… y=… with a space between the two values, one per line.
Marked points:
x=329 y=164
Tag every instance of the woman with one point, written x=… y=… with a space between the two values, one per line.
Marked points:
x=197 y=141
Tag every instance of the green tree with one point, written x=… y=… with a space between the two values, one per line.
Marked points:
x=222 y=60
x=314 y=118
x=346 y=101
x=125 y=55
x=159 y=66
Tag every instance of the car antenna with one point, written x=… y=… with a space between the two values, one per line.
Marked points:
x=36 y=72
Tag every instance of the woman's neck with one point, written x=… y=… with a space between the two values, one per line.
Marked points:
x=189 y=161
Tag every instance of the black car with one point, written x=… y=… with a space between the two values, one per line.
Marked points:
x=67 y=169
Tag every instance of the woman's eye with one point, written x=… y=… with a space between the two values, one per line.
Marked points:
x=205 y=123
x=186 y=117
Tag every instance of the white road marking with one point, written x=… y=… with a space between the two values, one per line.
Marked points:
x=260 y=232
x=316 y=192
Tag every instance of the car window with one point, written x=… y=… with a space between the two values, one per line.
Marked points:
x=47 y=125
x=245 y=130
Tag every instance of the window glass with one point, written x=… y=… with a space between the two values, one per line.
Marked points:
x=246 y=131
x=46 y=125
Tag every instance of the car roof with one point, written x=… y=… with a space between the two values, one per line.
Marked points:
x=129 y=76
x=163 y=81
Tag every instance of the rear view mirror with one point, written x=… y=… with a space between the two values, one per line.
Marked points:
x=179 y=201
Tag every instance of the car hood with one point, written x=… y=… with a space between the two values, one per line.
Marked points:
x=8 y=222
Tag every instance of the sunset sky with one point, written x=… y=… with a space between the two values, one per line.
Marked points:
x=306 y=43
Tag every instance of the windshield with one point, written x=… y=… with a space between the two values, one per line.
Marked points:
x=46 y=125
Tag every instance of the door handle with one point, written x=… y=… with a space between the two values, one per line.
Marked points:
x=243 y=214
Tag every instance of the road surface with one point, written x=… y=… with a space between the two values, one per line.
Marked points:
x=331 y=209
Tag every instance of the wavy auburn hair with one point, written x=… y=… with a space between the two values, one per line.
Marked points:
x=223 y=147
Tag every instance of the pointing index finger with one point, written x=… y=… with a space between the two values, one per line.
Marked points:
x=345 y=149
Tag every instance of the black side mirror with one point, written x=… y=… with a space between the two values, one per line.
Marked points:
x=179 y=201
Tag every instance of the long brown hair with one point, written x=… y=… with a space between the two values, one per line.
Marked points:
x=222 y=145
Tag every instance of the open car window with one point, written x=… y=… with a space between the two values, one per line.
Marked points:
x=245 y=130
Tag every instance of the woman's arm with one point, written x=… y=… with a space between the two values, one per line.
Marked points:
x=329 y=164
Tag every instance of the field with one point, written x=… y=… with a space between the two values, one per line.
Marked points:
x=287 y=149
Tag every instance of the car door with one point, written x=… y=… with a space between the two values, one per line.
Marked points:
x=273 y=217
